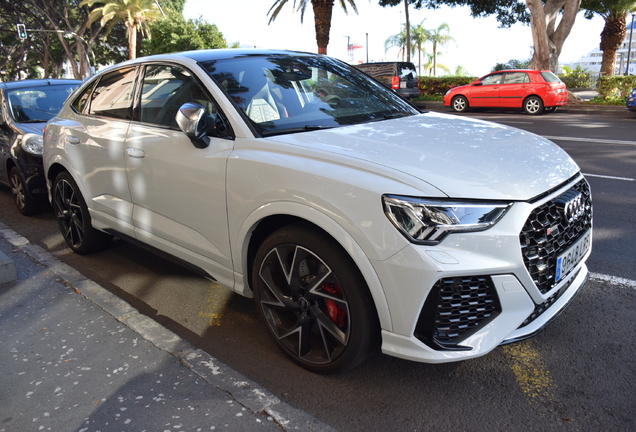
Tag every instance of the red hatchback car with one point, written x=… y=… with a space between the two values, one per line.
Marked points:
x=534 y=91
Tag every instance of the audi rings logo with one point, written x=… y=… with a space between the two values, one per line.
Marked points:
x=572 y=205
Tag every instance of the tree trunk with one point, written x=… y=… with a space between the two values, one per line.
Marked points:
x=322 y=18
x=547 y=37
x=408 y=32
x=611 y=38
x=132 y=41
x=434 y=59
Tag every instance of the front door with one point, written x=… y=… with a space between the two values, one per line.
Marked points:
x=178 y=190
x=486 y=94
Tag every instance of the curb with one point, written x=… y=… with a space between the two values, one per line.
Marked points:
x=240 y=388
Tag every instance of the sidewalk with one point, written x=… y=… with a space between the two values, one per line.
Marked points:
x=77 y=358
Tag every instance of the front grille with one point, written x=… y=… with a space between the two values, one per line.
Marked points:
x=550 y=229
x=541 y=308
x=456 y=308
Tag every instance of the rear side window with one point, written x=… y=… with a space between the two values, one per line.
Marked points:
x=81 y=102
x=550 y=77
x=406 y=71
x=113 y=95
x=516 y=78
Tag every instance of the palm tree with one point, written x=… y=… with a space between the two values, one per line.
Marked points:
x=614 y=12
x=397 y=41
x=419 y=36
x=322 y=16
x=439 y=36
x=135 y=14
x=428 y=66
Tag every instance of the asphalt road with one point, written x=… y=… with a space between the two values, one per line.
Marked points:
x=576 y=375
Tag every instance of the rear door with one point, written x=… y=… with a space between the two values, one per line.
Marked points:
x=486 y=94
x=95 y=139
x=178 y=190
x=515 y=87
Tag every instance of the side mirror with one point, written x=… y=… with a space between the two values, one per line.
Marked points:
x=195 y=122
x=476 y=83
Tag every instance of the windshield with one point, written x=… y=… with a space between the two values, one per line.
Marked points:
x=37 y=104
x=283 y=94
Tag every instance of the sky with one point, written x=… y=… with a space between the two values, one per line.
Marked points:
x=479 y=42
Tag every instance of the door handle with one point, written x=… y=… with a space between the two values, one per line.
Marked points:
x=135 y=152
x=72 y=139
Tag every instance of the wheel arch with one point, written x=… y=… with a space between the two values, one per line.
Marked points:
x=265 y=221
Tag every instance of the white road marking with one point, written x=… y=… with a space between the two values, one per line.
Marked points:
x=614 y=280
x=594 y=140
x=609 y=177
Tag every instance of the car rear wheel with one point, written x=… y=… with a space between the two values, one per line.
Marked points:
x=459 y=104
x=23 y=201
x=74 y=219
x=533 y=105
x=314 y=300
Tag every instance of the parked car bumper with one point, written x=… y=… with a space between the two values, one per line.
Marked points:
x=477 y=286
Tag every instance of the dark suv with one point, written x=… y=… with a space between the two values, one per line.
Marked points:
x=25 y=107
x=399 y=76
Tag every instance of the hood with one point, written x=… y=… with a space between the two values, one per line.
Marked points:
x=34 y=128
x=464 y=158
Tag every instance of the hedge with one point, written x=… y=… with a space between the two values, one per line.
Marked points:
x=438 y=86
x=616 y=86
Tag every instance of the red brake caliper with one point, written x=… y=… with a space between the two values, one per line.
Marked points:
x=334 y=311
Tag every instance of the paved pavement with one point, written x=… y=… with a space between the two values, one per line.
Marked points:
x=75 y=357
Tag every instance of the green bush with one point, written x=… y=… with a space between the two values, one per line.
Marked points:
x=576 y=78
x=616 y=86
x=438 y=86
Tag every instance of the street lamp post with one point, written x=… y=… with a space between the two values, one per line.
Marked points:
x=629 y=48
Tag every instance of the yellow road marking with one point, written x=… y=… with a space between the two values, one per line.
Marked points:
x=531 y=374
x=215 y=300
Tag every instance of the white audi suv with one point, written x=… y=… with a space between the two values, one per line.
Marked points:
x=354 y=220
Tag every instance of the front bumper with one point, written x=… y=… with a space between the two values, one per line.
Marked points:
x=474 y=291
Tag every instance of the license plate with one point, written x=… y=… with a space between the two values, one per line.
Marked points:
x=403 y=84
x=572 y=256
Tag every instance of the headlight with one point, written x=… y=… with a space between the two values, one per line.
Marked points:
x=427 y=222
x=32 y=143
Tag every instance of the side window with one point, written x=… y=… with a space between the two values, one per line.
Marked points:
x=113 y=95
x=81 y=101
x=516 y=78
x=164 y=89
x=491 y=79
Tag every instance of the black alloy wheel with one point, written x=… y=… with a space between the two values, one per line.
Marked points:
x=23 y=201
x=314 y=300
x=74 y=219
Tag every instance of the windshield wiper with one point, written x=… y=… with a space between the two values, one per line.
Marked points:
x=305 y=128
x=396 y=115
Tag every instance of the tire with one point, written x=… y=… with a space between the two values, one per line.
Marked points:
x=23 y=201
x=459 y=104
x=314 y=300
x=533 y=105
x=74 y=219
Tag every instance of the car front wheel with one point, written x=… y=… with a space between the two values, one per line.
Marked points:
x=533 y=105
x=459 y=104
x=74 y=219
x=314 y=300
